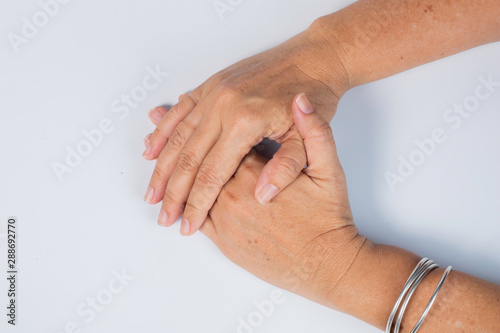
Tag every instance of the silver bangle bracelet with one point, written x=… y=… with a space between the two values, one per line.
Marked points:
x=433 y=298
x=406 y=287
x=421 y=270
x=419 y=278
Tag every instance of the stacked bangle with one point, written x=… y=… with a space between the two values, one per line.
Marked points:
x=421 y=270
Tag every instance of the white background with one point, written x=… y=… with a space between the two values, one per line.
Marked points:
x=73 y=234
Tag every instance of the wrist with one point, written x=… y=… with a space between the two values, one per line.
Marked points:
x=333 y=253
x=370 y=287
x=323 y=58
x=324 y=33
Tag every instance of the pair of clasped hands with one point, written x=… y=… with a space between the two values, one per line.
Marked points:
x=292 y=225
x=270 y=216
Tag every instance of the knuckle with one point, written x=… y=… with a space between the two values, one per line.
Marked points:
x=171 y=197
x=242 y=114
x=158 y=132
x=322 y=133
x=194 y=207
x=187 y=162
x=193 y=96
x=227 y=90
x=177 y=139
x=209 y=178
x=173 y=113
x=179 y=110
x=185 y=103
x=227 y=94
x=244 y=121
x=159 y=173
x=289 y=166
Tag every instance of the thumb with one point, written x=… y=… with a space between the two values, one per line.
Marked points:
x=321 y=150
x=282 y=169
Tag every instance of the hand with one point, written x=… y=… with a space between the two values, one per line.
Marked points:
x=201 y=141
x=305 y=239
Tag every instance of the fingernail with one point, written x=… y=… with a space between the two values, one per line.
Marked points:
x=267 y=193
x=147 y=139
x=163 y=218
x=149 y=195
x=184 y=227
x=155 y=115
x=147 y=151
x=303 y=104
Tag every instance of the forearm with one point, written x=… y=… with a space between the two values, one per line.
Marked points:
x=380 y=38
x=372 y=285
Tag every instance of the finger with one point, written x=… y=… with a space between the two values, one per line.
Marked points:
x=208 y=229
x=182 y=178
x=168 y=123
x=217 y=168
x=282 y=169
x=147 y=139
x=156 y=114
x=167 y=160
x=318 y=139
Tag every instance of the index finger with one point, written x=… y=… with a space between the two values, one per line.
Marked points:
x=218 y=167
